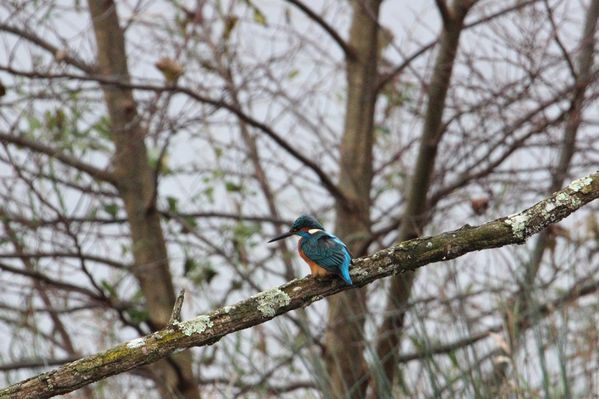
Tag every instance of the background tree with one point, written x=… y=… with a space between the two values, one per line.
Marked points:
x=151 y=146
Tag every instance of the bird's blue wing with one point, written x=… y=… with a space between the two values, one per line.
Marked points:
x=329 y=252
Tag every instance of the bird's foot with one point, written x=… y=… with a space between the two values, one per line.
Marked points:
x=319 y=277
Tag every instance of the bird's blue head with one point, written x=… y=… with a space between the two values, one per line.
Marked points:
x=306 y=222
x=300 y=227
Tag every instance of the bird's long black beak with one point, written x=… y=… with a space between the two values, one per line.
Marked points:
x=288 y=234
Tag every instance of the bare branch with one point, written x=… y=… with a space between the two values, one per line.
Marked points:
x=444 y=11
x=43 y=43
x=347 y=50
x=65 y=255
x=38 y=276
x=36 y=146
x=176 y=314
x=559 y=42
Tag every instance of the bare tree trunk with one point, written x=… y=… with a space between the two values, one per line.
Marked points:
x=136 y=184
x=521 y=304
x=345 y=332
x=415 y=213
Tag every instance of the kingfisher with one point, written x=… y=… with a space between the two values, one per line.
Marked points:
x=323 y=252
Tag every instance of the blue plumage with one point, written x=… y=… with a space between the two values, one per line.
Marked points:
x=324 y=252
x=328 y=252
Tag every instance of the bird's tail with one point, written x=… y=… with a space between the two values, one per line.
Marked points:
x=345 y=275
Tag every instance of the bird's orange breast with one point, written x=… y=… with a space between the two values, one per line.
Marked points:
x=314 y=268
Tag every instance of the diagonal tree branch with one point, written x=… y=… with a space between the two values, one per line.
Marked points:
x=399 y=258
